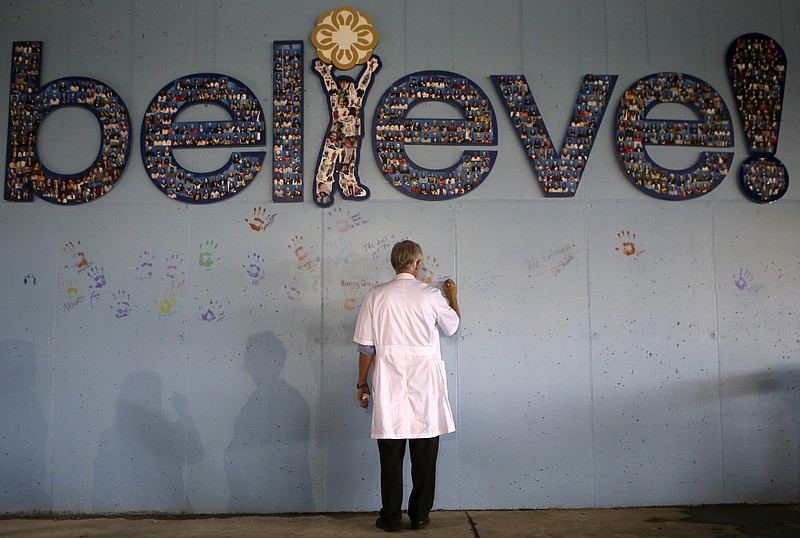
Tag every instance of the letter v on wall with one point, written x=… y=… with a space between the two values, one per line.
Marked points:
x=558 y=169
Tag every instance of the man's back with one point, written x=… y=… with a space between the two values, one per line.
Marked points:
x=405 y=311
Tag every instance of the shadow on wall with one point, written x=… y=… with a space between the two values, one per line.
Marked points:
x=784 y=386
x=141 y=461
x=778 y=390
x=23 y=432
x=266 y=462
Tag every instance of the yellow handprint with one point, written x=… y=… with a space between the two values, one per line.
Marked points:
x=72 y=288
x=167 y=303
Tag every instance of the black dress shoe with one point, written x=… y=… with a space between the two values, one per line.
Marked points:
x=381 y=524
x=420 y=524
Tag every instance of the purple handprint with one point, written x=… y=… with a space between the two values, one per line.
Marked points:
x=743 y=280
x=145 y=268
x=253 y=268
x=123 y=305
x=212 y=312
x=97 y=276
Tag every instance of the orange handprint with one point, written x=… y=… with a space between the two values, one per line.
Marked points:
x=76 y=251
x=628 y=246
x=427 y=270
x=260 y=219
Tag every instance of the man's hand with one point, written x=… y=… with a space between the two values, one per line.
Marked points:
x=450 y=289
x=451 y=292
x=363 y=397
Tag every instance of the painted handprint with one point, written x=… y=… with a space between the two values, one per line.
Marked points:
x=743 y=280
x=97 y=276
x=427 y=270
x=342 y=219
x=292 y=293
x=76 y=251
x=252 y=267
x=344 y=251
x=628 y=246
x=166 y=305
x=95 y=296
x=261 y=219
x=174 y=266
x=145 y=268
x=207 y=258
x=71 y=286
x=212 y=312
x=352 y=297
x=299 y=250
x=122 y=306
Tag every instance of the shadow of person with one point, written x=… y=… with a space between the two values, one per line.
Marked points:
x=141 y=460
x=23 y=431
x=783 y=384
x=769 y=420
x=266 y=462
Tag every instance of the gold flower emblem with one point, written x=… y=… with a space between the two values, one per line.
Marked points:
x=344 y=37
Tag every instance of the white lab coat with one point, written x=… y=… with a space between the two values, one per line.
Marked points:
x=401 y=318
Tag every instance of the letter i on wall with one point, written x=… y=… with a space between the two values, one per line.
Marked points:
x=287 y=122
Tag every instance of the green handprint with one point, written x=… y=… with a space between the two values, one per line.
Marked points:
x=207 y=259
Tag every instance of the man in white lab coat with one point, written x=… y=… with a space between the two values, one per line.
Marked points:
x=398 y=330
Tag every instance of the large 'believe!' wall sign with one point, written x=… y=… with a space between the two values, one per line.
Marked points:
x=344 y=39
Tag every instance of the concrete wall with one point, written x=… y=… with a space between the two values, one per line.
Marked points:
x=581 y=376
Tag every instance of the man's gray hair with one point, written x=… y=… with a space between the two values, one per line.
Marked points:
x=405 y=255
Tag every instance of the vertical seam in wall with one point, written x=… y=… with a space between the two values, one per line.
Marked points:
x=457 y=361
x=716 y=342
x=52 y=348
x=187 y=384
x=589 y=349
x=322 y=453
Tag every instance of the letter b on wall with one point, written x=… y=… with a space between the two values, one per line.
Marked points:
x=29 y=105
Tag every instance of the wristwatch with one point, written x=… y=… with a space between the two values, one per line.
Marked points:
x=360 y=386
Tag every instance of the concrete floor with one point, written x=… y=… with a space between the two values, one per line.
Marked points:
x=778 y=521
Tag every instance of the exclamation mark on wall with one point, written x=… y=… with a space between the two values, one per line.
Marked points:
x=757 y=69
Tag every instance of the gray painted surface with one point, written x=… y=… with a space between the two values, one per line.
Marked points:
x=580 y=377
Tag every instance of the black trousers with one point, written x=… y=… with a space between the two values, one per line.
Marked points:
x=423 y=454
